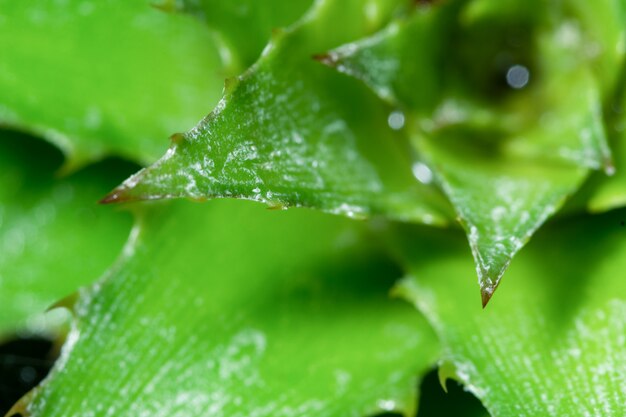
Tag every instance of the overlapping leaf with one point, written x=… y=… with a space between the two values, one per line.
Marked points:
x=53 y=237
x=226 y=308
x=243 y=27
x=552 y=342
x=507 y=165
x=603 y=43
x=603 y=193
x=293 y=133
x=610 y=193
x=603 y=38
x=104 y=77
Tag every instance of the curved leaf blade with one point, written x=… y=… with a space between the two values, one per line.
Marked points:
x=552 y=342
x=292 y=133
x=506 y=166
x=124 y=91
x=267 y=320
x=244 y=27
x=53 y=236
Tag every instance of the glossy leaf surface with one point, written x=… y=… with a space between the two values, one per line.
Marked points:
x=226 y=308
x=508 y=165
x=53 y=236
x=101 y=78
x=552 y=342
x=291 y=132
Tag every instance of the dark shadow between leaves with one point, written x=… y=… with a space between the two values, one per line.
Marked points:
x=435 y=402
x=24 y=362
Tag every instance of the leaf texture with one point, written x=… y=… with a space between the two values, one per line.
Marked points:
x=212 y=311
x=290 y=132
x=508 y=125
x=552 y=342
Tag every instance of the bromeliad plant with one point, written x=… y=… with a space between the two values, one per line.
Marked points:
x=413 y=115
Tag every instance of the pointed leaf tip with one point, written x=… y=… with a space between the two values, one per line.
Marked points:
x=126 y=191
x=489 y=283
x=486 y=293
x=68 y=302
x=446 y=371
x=112 y=197
x=177 y=138
x=20 y=408
x=609 y=168
x=118 y=195
x=326 y=59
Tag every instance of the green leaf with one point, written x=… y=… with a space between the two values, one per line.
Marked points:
x=401 y=63
x=508 y=165
x=244 y=27
x=552 y=342
x=603 y=38
x=610 y=193
x=607 y=193
x=226 y=308
x=101 y=78
x=501 y=203
x=53 y=237
x=291 y=132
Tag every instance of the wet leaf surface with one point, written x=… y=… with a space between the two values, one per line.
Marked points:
x=508 y=125
x=291 y=132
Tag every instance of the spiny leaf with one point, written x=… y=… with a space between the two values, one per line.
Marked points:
x=52 y=238
x=552 y=342
x=229 y=309
x=98 y=78
x=290 y=132
x=500 y=204
x=506 y=166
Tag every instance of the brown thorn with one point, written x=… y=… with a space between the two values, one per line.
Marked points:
x=177 y=138
x=114 y=196
x=325 y=59
x=485 y=296
x=67 y=302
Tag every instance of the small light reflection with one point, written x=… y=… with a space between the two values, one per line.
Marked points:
x=422 y=173
x=396 y=120
x=517 y=76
